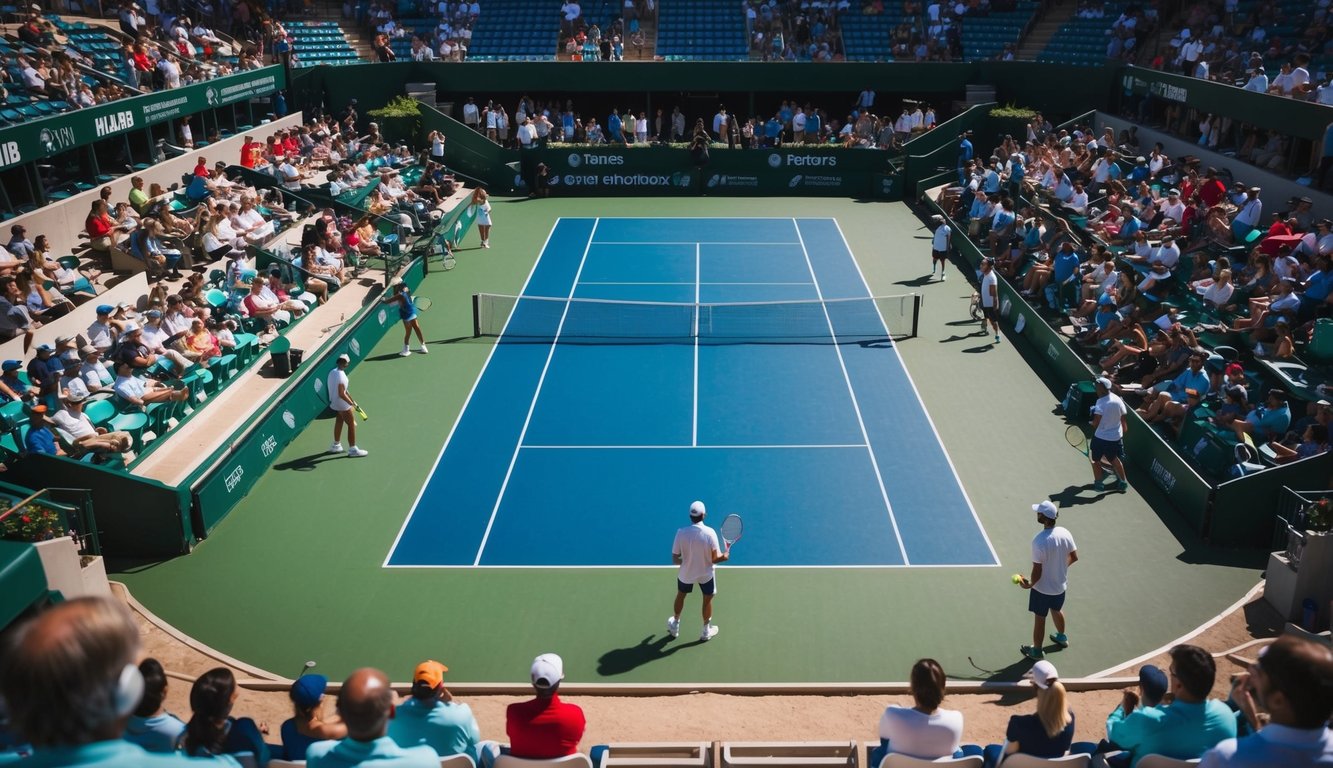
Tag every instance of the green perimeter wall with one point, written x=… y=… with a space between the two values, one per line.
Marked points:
x=227 y=476
x=1188 y=492
x=34 y=140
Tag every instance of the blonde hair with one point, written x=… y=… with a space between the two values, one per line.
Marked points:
x=1053 y=708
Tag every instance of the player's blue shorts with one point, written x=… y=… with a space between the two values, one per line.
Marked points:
x=1106 y=449
x=1041 y=603
x=707 y=587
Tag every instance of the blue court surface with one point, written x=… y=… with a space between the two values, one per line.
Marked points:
x=652 y=362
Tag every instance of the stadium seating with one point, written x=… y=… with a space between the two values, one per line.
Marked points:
x=1081 y=41
x=1161 y=761
x=865 y=37
x=576 y=760
x=705 y=30
x=320 y=42
x=657 y=755
x=516 y=30
x=798 y=754
x=984 y=37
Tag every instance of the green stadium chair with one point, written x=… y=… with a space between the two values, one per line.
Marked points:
x=99 y=412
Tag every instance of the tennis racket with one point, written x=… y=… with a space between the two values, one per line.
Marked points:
x=449 y=261
x=361 y=412
x=731 y=530
x=423 y=304
x=1074 y=434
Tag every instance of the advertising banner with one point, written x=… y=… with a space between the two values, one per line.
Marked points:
x=802 y=171
x=38 y=139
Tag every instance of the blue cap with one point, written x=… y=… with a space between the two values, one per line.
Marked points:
x=307 y=689
x=105 y=309
x=1154 y=683
x=45 y=348
x=11 y=365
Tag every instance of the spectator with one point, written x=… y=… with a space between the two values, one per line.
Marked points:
x=925 y=730
x=1292 y=681
x=1049 y=733
x=40 y=438
x=15 y=319
x=365 y=704
x=545 y=727
x=212 y=730
x=432 y=717
x=1186 y=728
x=152 y=726
x=308 y=725
x=72 y=666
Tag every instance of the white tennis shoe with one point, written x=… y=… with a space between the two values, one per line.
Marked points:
x=336 y=448
x=421 y=350
x=673 y=626
x=406 y=351
x=710 y=632
x=357 y=453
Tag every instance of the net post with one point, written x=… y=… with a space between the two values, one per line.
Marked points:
x=476 y=315
x=916 y=312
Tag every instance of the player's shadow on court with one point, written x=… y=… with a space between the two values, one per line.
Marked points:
x=1074 y=495
x=917 y=282
x=618 y=661
x=307 y=463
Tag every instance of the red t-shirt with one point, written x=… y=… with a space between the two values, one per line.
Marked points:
x=543 y=729
x=290 y=144
x=99 y=226
x=249 y=154
x=201 y=170
x=1212 y=192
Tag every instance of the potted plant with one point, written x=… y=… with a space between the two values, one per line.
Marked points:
x=1010 y=119
x=44 y=527
x=399 y=120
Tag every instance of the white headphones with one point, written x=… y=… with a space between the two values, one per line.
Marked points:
x=129 y=690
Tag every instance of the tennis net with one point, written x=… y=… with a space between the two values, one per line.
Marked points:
x=543 y=318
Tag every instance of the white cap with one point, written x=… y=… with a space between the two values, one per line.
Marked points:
x=1104 y=382
x=344 y=358
x=547 y=670
x=1043 y=674
x=1046 y=509
x=1164 y=322
x=698 y=510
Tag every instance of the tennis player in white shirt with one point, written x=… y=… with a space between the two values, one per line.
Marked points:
x=696 y=551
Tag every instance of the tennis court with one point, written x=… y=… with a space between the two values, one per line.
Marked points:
x=651 y=361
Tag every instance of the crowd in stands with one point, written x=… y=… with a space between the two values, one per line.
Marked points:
x=1215 y=41
x=1177 y=282
x=537 y=123
x=154 y=355
x=77 y=693
x=799 y=30
x=160 y=48
x=448 y=40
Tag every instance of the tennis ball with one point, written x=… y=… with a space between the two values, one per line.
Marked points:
x=1018 y=578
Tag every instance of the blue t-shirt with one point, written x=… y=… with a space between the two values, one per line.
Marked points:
x=1066 y=264
x=294 y=743
x=964 y=151
x=613 y=127
x=382 y=751
x=1271 y=422
x=1032 y=738
x=40 y=440
x=812 y=124
x=114 y=754
x=448 y=727
x=198 y=189
x=1187 y=380
x=1131 y=225
x=242 y=736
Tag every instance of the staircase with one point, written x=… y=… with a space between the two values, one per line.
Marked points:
x=360 y=40
x=1044 y=30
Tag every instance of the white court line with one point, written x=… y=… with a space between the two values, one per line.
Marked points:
x=440 y=456
x=852 y=567
x=694 y=429
x=683 y=282
x=684 y=447
x=852 y=392
x=681 y=242
x=915 y=391
x=527 y=420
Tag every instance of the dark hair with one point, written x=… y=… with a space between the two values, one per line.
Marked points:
x=1319 y=432
x=927 y=684
x=1194 y=668
x=1303 y=672
x=210 y=700
x=154 y=687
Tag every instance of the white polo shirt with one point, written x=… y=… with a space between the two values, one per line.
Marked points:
x=697 y=546
x=940 y=240
x=337 y=377
x=1051 y=548
x=1111 y=408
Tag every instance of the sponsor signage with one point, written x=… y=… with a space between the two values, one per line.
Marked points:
x=38 y=139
